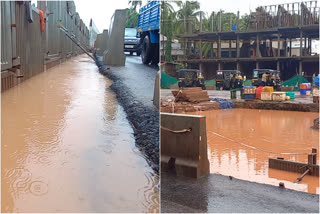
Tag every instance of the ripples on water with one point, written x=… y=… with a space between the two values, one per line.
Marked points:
x=239 y=141
x=64 y=134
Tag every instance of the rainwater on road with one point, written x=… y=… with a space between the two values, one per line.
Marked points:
x=66 y=146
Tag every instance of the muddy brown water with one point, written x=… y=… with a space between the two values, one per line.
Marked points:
x=66 y=146
x=240 y=141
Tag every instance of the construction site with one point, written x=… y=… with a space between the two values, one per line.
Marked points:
x=68 y=138
x=240 y=113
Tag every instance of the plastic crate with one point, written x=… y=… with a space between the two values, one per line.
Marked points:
x=249 y=90
x=279 y=96
x=303 y=91
x=258 y=92
x=267 y=89
x=291 y=94
x=249 y=96
x=305 y=85
x=266 y=96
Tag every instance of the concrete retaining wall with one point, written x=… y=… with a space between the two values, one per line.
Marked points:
x=186 y=152
x=114 y=55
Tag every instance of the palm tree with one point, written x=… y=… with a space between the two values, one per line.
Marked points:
x=135 y=3
x=168 y=18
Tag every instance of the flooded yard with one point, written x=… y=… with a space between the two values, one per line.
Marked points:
x=240 y=141
x=66 y=146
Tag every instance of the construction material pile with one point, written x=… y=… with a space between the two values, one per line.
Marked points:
x=193 y=95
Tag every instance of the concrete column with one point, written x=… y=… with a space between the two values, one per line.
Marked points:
x=219 y=46
x=219 y=65
x=285 y=47
x=278 y=65
x=278 y=45
x=300 y=43
x=290 y=47
x=229 y=48
x=257 y=65
x=238 y=65
x=238 y=46
x=300 y=67
x=258 y=46
x=200 y=49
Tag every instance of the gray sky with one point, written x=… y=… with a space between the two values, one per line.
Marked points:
x=243 y=6
x=100 y=11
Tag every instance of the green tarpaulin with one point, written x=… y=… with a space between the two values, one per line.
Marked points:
x=167 y=81
x=295 y=81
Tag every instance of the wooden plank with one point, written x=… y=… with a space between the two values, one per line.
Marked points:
x=293 y=166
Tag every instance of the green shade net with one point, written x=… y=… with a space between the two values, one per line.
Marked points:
x=247 y=83
x=210 y=82
x=295 y=81
x=167 y=81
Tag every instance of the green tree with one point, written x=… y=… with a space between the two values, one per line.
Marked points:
x=135 y=3
x=132 y=18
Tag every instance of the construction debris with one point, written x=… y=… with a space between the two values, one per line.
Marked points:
x=193 y=95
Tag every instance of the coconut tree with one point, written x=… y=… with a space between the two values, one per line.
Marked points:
x=168 y=19
x=135 y=3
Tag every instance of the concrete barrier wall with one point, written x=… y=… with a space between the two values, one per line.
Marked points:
x=185 y=151
x=25 y=50
x=114 y=55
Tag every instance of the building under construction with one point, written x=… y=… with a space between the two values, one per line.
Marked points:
x=279 y=37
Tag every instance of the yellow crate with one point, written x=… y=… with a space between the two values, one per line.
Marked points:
x=267 y=89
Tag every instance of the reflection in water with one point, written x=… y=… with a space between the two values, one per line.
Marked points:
x=67 y=147
x=240 y=141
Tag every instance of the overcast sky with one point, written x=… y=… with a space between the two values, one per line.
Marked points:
x=101 y=10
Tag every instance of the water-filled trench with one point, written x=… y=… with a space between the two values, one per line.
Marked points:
x=66 y=146
x=240 y=141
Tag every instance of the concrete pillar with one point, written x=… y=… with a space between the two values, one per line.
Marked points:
x=238 y=65
x=278 y=44
x=115 y=55
x=301 y=43
x=219 y=46
x=257 y=65
x=300 y=67
x=290 y=47
x=219 y=66
x=104 y=42
x=258 y=46
x=200 y=49
x=238 y=46
x=278 y=65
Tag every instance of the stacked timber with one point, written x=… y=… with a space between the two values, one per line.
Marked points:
x=193 y=95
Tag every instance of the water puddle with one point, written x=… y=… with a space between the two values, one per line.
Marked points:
x=240 y=141
x=68 y=147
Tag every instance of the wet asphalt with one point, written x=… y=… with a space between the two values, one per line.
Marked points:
x=134 y=88
x=220 y=194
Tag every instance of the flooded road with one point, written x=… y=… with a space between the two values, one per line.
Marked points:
x=240 y=141
x=66 y=146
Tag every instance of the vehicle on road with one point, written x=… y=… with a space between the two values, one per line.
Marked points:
x=131 y=42
x=266 y=77
x=190 y=78
x=228 y=79
x=148 y=32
